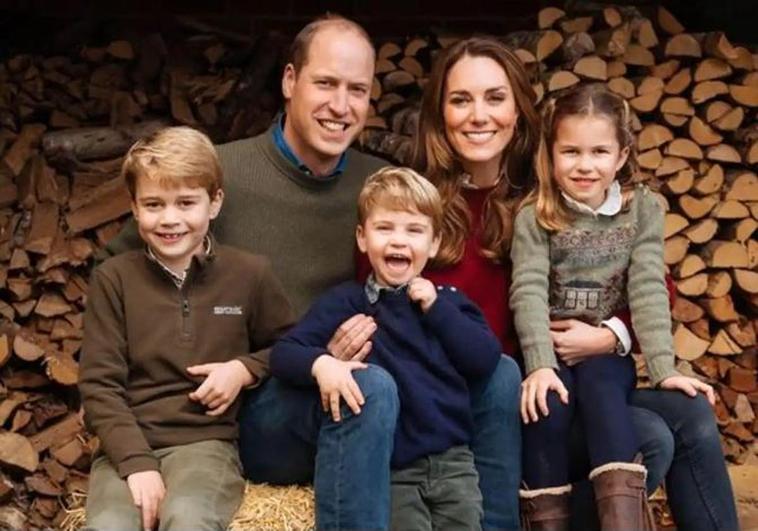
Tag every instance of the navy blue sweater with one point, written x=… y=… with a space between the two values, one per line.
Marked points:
x=431 y=357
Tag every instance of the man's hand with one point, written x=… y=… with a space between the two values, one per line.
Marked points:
x=148 y=492
x=351 y=340
x=534 y=391
x=335 y=380
x=574 y=340
x=222 y=384
x=689 y=386
x=422 y=291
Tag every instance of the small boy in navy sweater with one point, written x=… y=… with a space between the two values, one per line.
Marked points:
x=432 y=341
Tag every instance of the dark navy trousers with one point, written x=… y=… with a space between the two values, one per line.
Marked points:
x=599 y=390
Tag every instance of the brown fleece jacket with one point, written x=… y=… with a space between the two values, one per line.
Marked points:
x=142 y=332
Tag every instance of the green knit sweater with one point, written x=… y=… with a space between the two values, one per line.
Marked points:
x=589 y=271
x=305 y=225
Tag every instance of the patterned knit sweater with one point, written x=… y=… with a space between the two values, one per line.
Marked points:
x=589 y=271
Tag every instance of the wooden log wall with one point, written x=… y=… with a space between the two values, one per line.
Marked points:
x=66 y=120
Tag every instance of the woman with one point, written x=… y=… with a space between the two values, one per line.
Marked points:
x=477 y=133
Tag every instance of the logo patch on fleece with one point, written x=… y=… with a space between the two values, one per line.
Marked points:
x=227 y=310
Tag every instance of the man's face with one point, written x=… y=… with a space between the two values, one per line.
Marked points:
x=328 y=99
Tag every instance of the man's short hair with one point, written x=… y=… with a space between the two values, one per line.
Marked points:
x=398 y=188
x=300 y=46
x=174 y=156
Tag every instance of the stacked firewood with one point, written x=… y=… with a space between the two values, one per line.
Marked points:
x=66 y=121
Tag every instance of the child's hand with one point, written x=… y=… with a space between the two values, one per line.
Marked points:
x=222 y=384
x=422 y=291
x=148 y=492
x=335 y=380
x=534 y=391
x=689 y=386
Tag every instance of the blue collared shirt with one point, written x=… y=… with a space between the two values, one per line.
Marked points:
x=286 y=150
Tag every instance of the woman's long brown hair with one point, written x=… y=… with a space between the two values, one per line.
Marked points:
x=434 y=157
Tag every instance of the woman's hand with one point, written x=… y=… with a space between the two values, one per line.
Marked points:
x=574 y=340
x=534 y=391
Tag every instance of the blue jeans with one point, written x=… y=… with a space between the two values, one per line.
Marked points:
x=679 y=441
x=598 y=391
x=497 y=444
x=697 y=484
x=285 y=438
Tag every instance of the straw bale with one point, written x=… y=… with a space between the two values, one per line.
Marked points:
x=264 y=508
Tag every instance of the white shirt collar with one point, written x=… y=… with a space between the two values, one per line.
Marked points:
x=610 y=207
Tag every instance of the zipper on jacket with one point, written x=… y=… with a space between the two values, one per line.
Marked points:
x=186 y=326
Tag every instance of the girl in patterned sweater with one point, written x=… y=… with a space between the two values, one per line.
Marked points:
x=585 y=246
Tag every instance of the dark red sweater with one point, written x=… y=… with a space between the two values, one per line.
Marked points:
x=483 y=281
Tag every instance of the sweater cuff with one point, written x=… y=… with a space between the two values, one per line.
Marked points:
x=256 y=367
x=298 y=370
x=659 y=370
x=532 y=363
x=138 y=463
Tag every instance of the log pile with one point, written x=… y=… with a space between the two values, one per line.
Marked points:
x=67 y=119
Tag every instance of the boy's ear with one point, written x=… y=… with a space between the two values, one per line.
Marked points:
x=288 y=80
x=360 y=238
x=133 y=207
x=622 y=158
x=216 y=201
x=435 y=246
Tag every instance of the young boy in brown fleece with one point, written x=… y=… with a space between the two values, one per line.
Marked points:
x=173 y=332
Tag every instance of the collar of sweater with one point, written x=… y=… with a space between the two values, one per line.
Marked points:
x=201 y=261
x=373 y=289
x=610 y=207
x=303 y=178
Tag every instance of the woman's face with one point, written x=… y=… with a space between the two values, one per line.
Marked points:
x=479 y=110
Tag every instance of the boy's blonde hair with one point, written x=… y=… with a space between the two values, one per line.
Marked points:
x=584 y=100
x=173 y=157
x=397 y=188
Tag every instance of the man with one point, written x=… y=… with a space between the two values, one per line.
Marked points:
x=296 y=205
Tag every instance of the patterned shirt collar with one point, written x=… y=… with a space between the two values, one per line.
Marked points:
x=610 y=207
x=177 y=279
x=286 y=150
x=373 y=289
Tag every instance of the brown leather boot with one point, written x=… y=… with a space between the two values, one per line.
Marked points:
x=545 y=509
x=621 y=497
